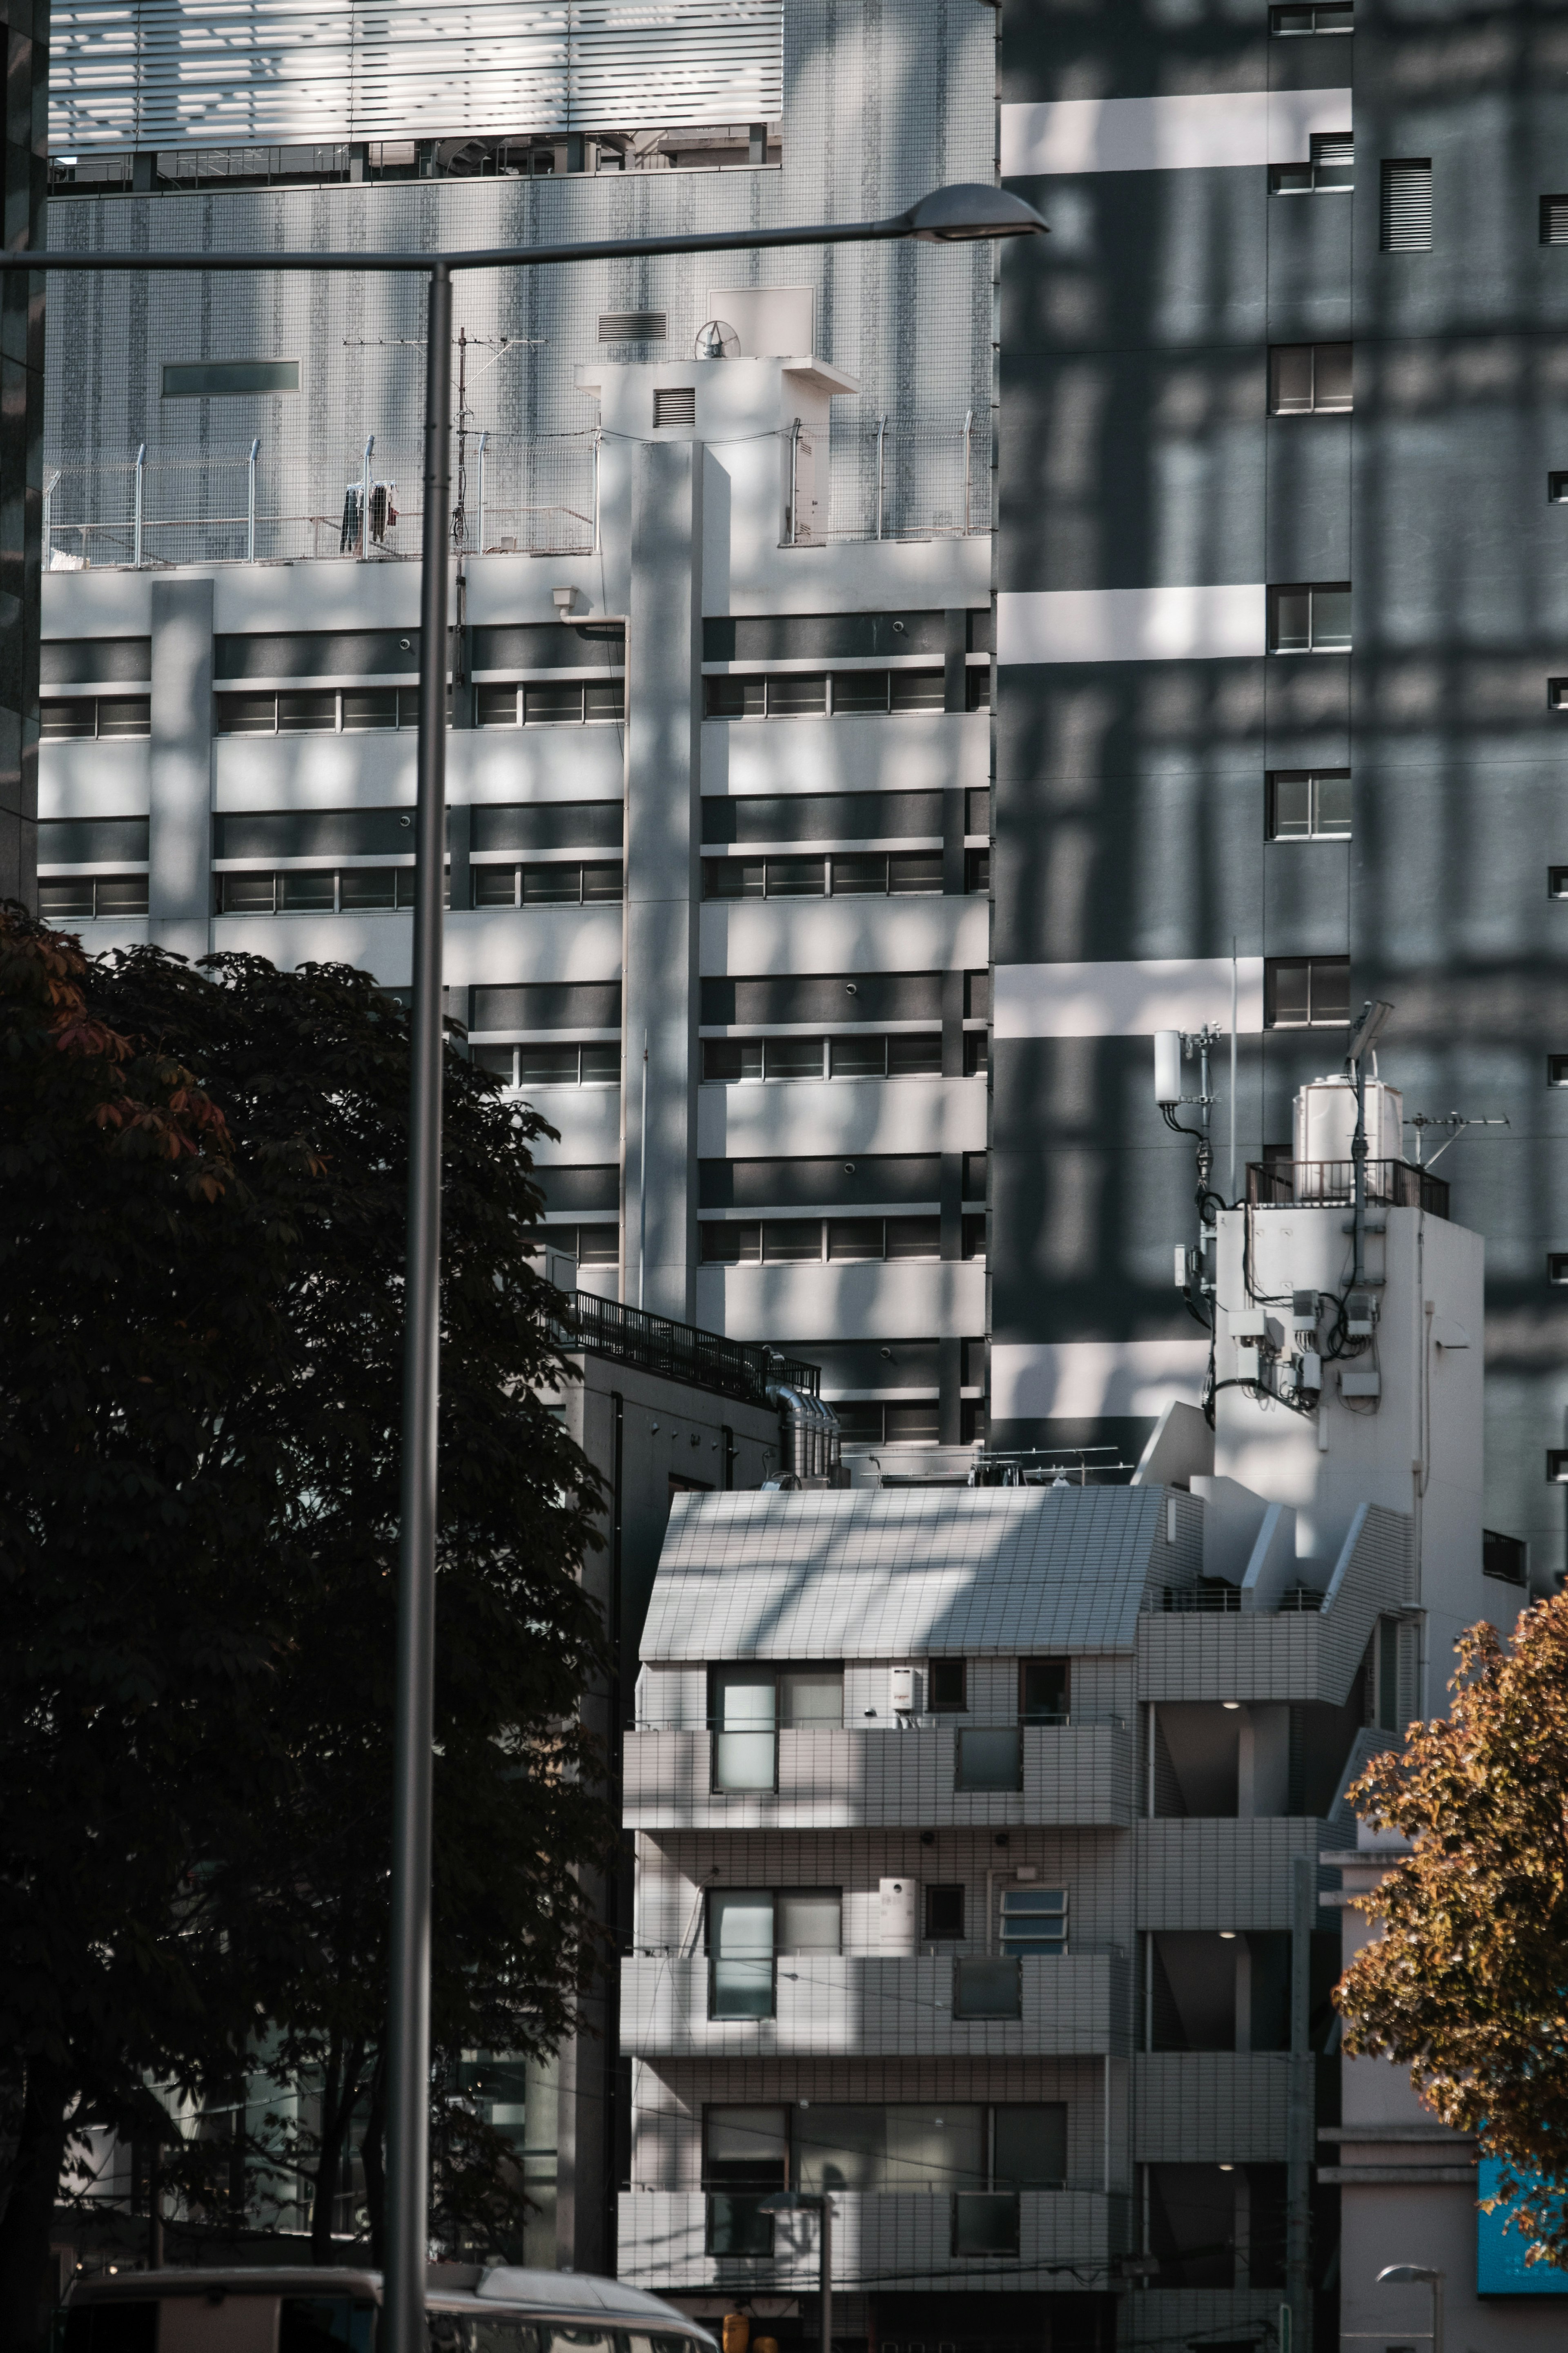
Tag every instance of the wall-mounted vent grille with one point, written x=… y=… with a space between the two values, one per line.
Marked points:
x=632 y=326
x=676 y=405
x=198 y=73
x=1407 y=206
x=1554 y=220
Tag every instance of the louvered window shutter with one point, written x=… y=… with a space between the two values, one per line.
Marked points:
x=1554 y=220
x=1407 y=206
x=202 y=73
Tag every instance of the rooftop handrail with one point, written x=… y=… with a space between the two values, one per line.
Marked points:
x=683 y=1352
x=1079 y=1720
x=1330 y=1184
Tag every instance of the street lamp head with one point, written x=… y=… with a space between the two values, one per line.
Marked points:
x=1406 y=2275
x=971 y=210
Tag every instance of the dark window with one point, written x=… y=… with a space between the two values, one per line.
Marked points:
x=497 y=706
x=912 y=873
x=745 y=2154
x=675 y=404
x=308 y=713
x=1557 y=1069
x=975 y=1176
x=913 y=1056
x=1314 y=619
x=976 y=1053
x=1329 y=167
x=917 y=1424
x=797 y=694
x=990 y=1988
x=1329 y=16
x=793 y=1058
x=973 y=1237
x=1557 y=1465
x=368 y=710
x=856 y=693
x=1308 y=379
x=106 y=717
x=949 y=1687
x=913 y=1237
x=985 y=2221
x=792 y=1241
x=1556 y=881
x=1029 y=2146
x=86 y=896
x=989 y=1757
x=1306 y=992
x=1043 y=1690
x=79 y=841
x=632 y=326
x=736 y=1245
x=1557 y=490
x=916 y=690
x=977 y=688
x=1505 y=1557
x=861 y=1058
x=557 y=702
x=1309 y=805
x=977 y=869
x=944 y=1913
x=549 y=1004
x=977 y=810
x=859 y=1423
x=216 y=379
x=1407 y=206
x=855 y=1238
x=1554 y=220
x=1557 y=1267
x=731 y=1060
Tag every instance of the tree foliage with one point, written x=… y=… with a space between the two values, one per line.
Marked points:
x=1468 y=1984
x=202 y=1194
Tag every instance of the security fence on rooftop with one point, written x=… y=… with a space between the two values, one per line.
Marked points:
x=888 y=478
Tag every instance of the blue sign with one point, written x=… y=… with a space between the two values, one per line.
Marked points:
x=1500 y=2265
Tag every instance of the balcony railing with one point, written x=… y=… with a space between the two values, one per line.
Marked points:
x=681 y=1351
x=1330 y=1184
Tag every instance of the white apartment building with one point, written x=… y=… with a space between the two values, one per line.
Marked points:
x=989 y=1842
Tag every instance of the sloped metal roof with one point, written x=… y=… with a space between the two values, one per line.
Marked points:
x=877 y=1573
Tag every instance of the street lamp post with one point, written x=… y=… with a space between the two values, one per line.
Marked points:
x=1406 y=2275
x=807 y=2202
x=959 y=215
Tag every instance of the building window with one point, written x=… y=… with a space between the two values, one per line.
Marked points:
x=842 y=1242
x=565 y=1065
x=1557 y=881
x=944 y=1915
x=987 y=1987
x=1309 y=805
x=1328 y=170
x=1407 y=206
x=988 y=1756
x=555 y=885
x=745 y=2155
x=1330 y=17
x=589 y=1245
x=1505 y=1557
x=900 y=875
x=815 y=694
x=554 y=702
x=749 y=1706
x=948 y=1686
x=977 y=688
x=977 y=869
x=675 y=404
x=1307 y=992
x=976 y=1053
x=1033 y=1922
x=915 y=1422
x=749 y=1929
x=1312 y=617
x=1308 y=379
x=1557 y=490
x=317 y=890
x=914 y=1054
x=1557 y=693
x=1043 y=1686
x=973 y=1242
x=1557 y=1070
x=1554 y=220
x=1557 y=1465
x=357 y=711
x=218 y=379
x=103 y=718
x=86 y=898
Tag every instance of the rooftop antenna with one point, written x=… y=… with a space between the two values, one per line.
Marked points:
x=1172 y=1048
x=1422 y=1120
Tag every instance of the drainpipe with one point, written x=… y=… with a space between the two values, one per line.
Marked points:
x=136 y=540
x=968 y=451
x=250 y=502
x=793 y=483
x=881 y=454
x=364 y=499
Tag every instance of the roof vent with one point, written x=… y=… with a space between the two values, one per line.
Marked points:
x=717 y=339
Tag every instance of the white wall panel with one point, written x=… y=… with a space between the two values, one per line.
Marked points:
x=183 y=73
x=588 y=1121
x=876 y=1302
x=94 y=779
x=1127 y=1001
x=906 y=752
x=934 y=934
x=1202 y=132
x=810 y=1115
x=1102 y=625
x=497 y=944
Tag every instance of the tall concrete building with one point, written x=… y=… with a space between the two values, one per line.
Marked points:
x=1280 y=617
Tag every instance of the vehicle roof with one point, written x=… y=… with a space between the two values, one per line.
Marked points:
x=569 y=2296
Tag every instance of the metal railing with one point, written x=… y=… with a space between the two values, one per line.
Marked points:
x=1218 y=1598
x=1330 y=1184
x=887 y=478
x=681 y=1351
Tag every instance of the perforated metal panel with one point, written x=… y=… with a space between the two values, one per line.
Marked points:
x=190 y=73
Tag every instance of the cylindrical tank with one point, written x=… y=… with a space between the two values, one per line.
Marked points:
x=1325 y=1120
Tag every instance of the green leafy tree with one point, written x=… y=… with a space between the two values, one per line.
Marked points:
x=267 y=1823
x=1467 y=1986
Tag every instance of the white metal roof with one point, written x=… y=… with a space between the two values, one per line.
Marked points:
x=873 y=1573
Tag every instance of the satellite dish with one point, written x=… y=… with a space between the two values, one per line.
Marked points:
x=717 y=339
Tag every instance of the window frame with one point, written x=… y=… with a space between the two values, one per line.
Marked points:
x=1312 y=179
x=1311 y=590
x=834 y=683
x=1273 y=965
x=1314 y=779
x=1314 y=407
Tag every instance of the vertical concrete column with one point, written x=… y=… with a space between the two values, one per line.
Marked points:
x=26 y=29
x=663 y=722
x=179 y=903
